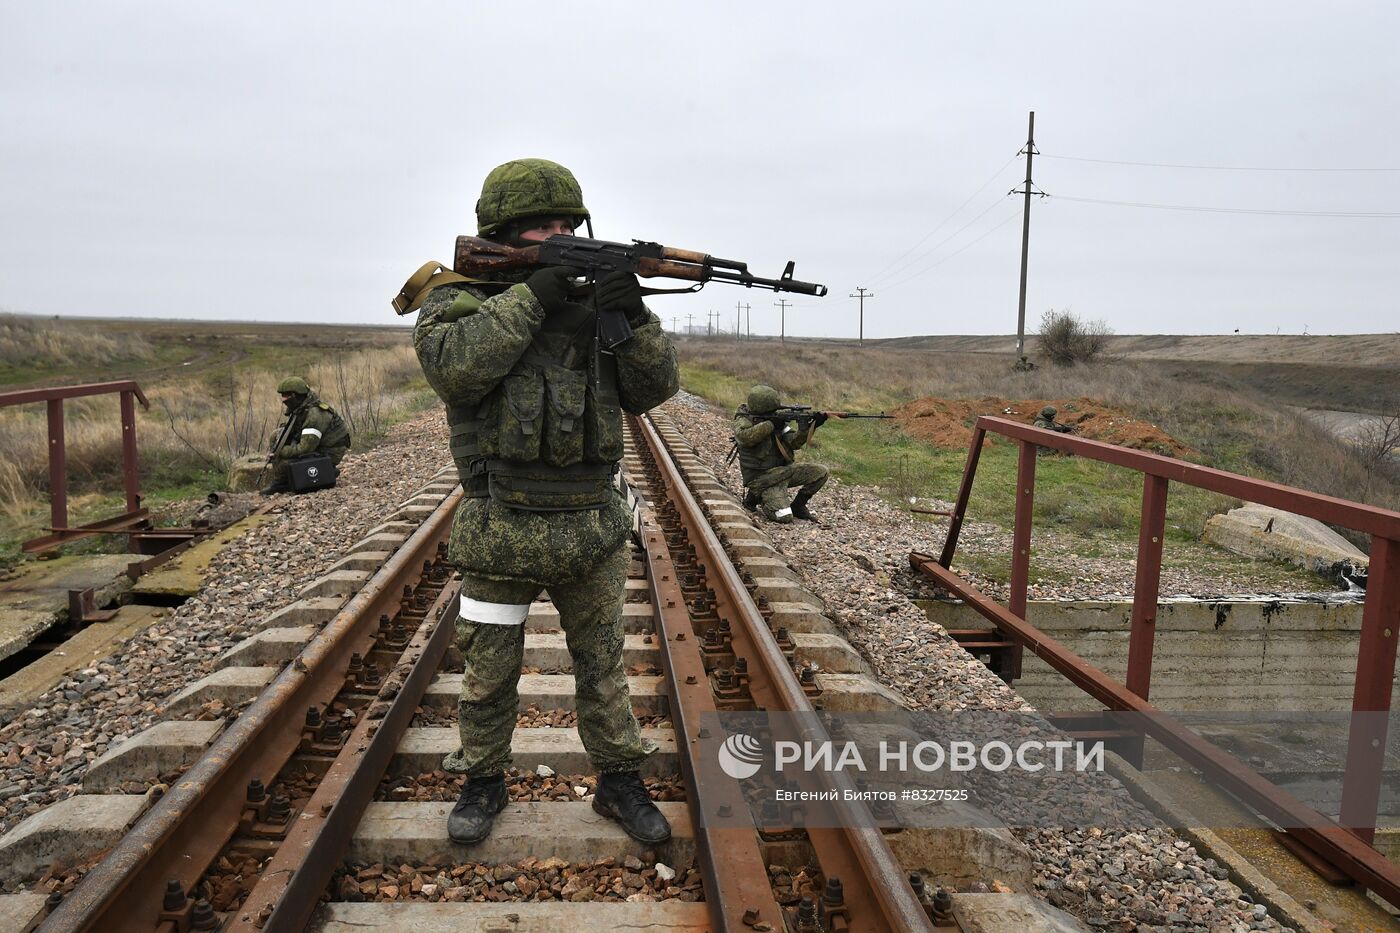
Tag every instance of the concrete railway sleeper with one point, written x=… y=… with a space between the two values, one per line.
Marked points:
x=296 y=818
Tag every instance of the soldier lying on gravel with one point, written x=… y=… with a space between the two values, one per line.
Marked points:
x=311 y=429
x=535 y=410
x=767 y=448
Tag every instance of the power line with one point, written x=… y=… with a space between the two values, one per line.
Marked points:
x=944 y=223
x=1216 y=168
x=1230 y=210
x=1014 y=215
x=950 y=237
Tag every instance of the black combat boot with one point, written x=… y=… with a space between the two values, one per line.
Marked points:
x=482 y=798
x=275 y=487
x=751 y=500
x=799 y=507
x=623 y=797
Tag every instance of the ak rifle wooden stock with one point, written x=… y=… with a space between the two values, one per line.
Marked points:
x=476 y=256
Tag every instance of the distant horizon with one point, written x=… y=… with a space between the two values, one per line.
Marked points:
x=406 y=323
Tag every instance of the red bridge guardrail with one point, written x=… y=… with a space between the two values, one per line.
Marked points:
x=1344 y=843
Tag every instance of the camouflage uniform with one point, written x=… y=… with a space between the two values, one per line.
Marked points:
x=767 y=450
x=1046 y=420
x=316 y=431
x=535 y=409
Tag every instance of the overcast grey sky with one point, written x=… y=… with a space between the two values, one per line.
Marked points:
x=298 y=161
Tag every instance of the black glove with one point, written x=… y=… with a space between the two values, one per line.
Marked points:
x=551 y=286
x=820 y=418
x=620 y=291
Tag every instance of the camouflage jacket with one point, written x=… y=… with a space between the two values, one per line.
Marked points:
x=472 y=340
x=764 y=443
x=316 y=429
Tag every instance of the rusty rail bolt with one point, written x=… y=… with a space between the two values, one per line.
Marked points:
x=256 y=792
x=203 y=916
x=279 y=809
x=357 y=664
x=807 y=920
x=407 y=592
x=331 y=733
x=174 y=896
x=313 y=717
x=370 y=676
x=943 y=909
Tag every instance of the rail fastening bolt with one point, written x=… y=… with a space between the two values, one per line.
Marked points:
x=174 y=896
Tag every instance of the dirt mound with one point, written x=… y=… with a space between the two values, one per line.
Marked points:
x=948 y=422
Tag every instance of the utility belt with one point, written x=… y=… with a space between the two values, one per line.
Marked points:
x=539 y=487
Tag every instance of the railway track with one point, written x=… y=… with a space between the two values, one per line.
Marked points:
x=294 y=817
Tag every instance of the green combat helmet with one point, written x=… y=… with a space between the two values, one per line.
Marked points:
x=763 y=400
x=1049 y=412
x=528 y=188
x=293 y=385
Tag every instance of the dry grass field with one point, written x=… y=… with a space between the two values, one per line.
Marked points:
x=212 y=388
x=1225 y=422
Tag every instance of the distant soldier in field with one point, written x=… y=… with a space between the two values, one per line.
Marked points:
x=1046 y=420
x=535 y=405
x=767 y=439
x=311 y=428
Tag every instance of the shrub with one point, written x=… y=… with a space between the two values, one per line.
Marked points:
x=1067 y=340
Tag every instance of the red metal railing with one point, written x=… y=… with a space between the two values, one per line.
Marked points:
x=134 y=516
x=1348 y=849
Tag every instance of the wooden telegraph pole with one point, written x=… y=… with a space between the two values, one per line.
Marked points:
x=1029 y=153
x=862 y=294
x=782 y=304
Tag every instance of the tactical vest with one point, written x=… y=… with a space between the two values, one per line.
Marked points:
x=763 y=456
x=548 y=438
x=337 y=436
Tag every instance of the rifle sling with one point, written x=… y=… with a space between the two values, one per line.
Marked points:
x=420 y=285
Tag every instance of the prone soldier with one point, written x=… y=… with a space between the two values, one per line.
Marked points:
x=535 y=405
x=1046 y=420
x=311 y=428
x=767 y=438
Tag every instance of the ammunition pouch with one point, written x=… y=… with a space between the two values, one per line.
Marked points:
x=538 y=487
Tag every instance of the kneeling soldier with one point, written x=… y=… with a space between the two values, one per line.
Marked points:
x=311 y=429
x=767 y=440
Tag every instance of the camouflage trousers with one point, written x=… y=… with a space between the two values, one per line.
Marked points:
x=772 y=488
x=590 y=613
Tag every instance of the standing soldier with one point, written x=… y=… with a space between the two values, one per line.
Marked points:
x=311 y=429
x=767 y=445
x=535 y=408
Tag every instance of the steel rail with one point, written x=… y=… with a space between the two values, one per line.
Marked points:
x=877 y=890
x=183 y=833
x=1319 y=833
x=738 y=893
x=290 y=886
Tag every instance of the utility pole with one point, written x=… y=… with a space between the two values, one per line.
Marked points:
x=675 y=326
x=782 y=304
x=862 y=294
x=689 y=324
x=714 y=322
x=748 y=319
x=738 y=320
x=1029 y=153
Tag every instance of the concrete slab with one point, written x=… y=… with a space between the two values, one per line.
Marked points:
x=855 y=693
x=271 y=647
x=21 y=913
x=414 y=833
x=393 y=528
x=382 y=540
x=315 y=611
x=414 y=513
x=800 y=617
x=232 y=686
x=961 y=850
x=162 y=748
x=1259 y=531
x=636 y=618
x=552 y=691
x=516 y=916
x=34 y=595
x=1011 y=913
x=84 y=649
x=340 y=583
x=184 y=574
x=69 y=831
x=362 y=560
x=829 y=652
x=549 y=651
x=422 y=749
x=780 y=590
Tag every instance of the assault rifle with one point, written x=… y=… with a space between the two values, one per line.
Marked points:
x=283 y=436
x=795 y=412
x=476 y=256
